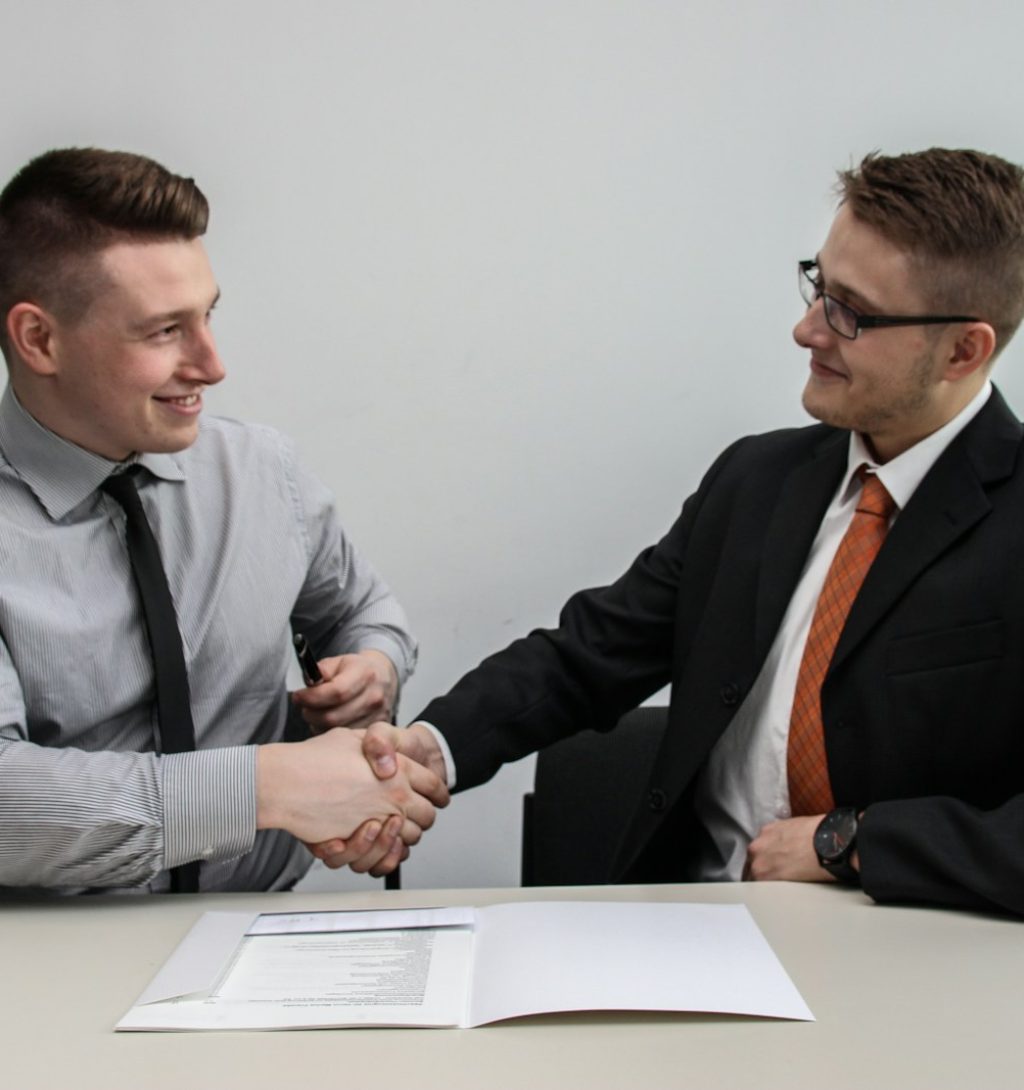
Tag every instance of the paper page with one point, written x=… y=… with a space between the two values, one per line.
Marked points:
x=410 y=977
x=389 y=919
x=564 y=956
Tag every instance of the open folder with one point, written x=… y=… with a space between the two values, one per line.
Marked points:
x=462 y=967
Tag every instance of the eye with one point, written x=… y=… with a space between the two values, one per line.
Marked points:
x=164 y=332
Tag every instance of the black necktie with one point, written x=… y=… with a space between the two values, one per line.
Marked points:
x=173 y=709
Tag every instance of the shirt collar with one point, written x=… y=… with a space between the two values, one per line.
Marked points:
x=60 y=474
x=906 y=471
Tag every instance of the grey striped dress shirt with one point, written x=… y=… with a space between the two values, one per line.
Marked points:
x=252 y=549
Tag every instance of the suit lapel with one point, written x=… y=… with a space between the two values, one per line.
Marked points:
x=794 y=524
x=950 y=500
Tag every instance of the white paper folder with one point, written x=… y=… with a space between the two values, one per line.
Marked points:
x=463 y=967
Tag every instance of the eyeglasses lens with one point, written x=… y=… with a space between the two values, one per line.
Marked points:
x=840 y=318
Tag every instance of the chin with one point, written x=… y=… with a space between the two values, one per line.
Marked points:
x=819 y=408
x=168 y=444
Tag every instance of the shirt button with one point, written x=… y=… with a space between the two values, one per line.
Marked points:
x=656 y=799
x=729 y=694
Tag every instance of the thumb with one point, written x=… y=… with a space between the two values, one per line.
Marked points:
x=380 y=749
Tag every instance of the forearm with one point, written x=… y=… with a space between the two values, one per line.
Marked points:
x=605 y=658
x=72 y=819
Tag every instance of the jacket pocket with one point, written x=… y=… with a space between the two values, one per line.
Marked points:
x=945 y=649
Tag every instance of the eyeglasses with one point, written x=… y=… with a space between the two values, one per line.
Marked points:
x=845 y=320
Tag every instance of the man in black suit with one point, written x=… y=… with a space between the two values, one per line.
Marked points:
x=917 y=712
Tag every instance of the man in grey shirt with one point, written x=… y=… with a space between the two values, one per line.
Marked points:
x=106 y=294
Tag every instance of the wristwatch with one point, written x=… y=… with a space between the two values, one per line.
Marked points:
x=835 y=840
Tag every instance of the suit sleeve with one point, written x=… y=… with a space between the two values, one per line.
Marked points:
x=946 y=852
x=611 y=649
x=614 y=646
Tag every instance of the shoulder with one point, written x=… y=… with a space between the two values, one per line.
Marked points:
x=254 y=464
x=236 y=445
x=773 y=452
x=225 y=432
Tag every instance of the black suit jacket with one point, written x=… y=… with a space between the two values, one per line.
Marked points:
x=924 y=699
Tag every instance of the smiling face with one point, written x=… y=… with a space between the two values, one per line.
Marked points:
x=129 y=375
x=892 y=385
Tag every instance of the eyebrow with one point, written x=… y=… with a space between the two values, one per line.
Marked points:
x=170 y=317
x=850 y=295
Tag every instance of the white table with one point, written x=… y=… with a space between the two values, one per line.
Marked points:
x=904 y=998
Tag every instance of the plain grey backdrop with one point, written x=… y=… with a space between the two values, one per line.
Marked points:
x=511 y=273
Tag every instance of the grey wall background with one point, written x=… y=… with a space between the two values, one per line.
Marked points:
x=512 y=273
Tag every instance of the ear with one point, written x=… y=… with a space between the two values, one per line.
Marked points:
x=30 y=331
x=972 y=348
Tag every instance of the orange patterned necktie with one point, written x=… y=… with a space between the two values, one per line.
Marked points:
x=807 y=768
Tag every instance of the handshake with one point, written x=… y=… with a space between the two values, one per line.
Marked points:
x=356 y=797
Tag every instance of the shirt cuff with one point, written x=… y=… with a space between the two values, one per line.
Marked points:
x=209 y=804
x=446 y=753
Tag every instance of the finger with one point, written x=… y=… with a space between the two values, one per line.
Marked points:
x=369 y=707
x=380 y=848
x=380 y=745
x=412 y=831
x=423 y=781
x=383 y=849
x=357 y=715
x=347 y=685
x=399 y=852
x=337 y=715
x=328 y=847
x=418 y=810
x=339 y=853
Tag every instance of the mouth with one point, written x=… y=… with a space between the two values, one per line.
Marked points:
x=822 y=370
x=183 y=403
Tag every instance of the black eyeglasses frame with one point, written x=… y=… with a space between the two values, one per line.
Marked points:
x=862 y=321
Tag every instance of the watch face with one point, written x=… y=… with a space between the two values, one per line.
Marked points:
x=836 y=833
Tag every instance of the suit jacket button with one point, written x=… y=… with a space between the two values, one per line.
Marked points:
x=656 y=799
x=729 y=694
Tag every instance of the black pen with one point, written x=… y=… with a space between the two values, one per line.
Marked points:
x=310 y=671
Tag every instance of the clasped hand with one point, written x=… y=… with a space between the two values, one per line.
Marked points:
x=324 y=788
x=376 y=847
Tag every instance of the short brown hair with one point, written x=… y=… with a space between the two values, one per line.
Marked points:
x=65 y=206
x=960 y=217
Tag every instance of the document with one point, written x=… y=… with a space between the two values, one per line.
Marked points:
x=464 y=967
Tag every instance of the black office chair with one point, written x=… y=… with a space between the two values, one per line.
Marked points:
x=585 y=790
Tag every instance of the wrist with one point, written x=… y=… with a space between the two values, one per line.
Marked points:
x=431 y=753
x=387 y=675
x=270 y=760
x=835 y=843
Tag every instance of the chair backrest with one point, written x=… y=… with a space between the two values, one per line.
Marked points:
x=586 y=790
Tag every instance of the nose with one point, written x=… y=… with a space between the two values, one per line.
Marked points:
x=204 y=363
x=812 y=331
